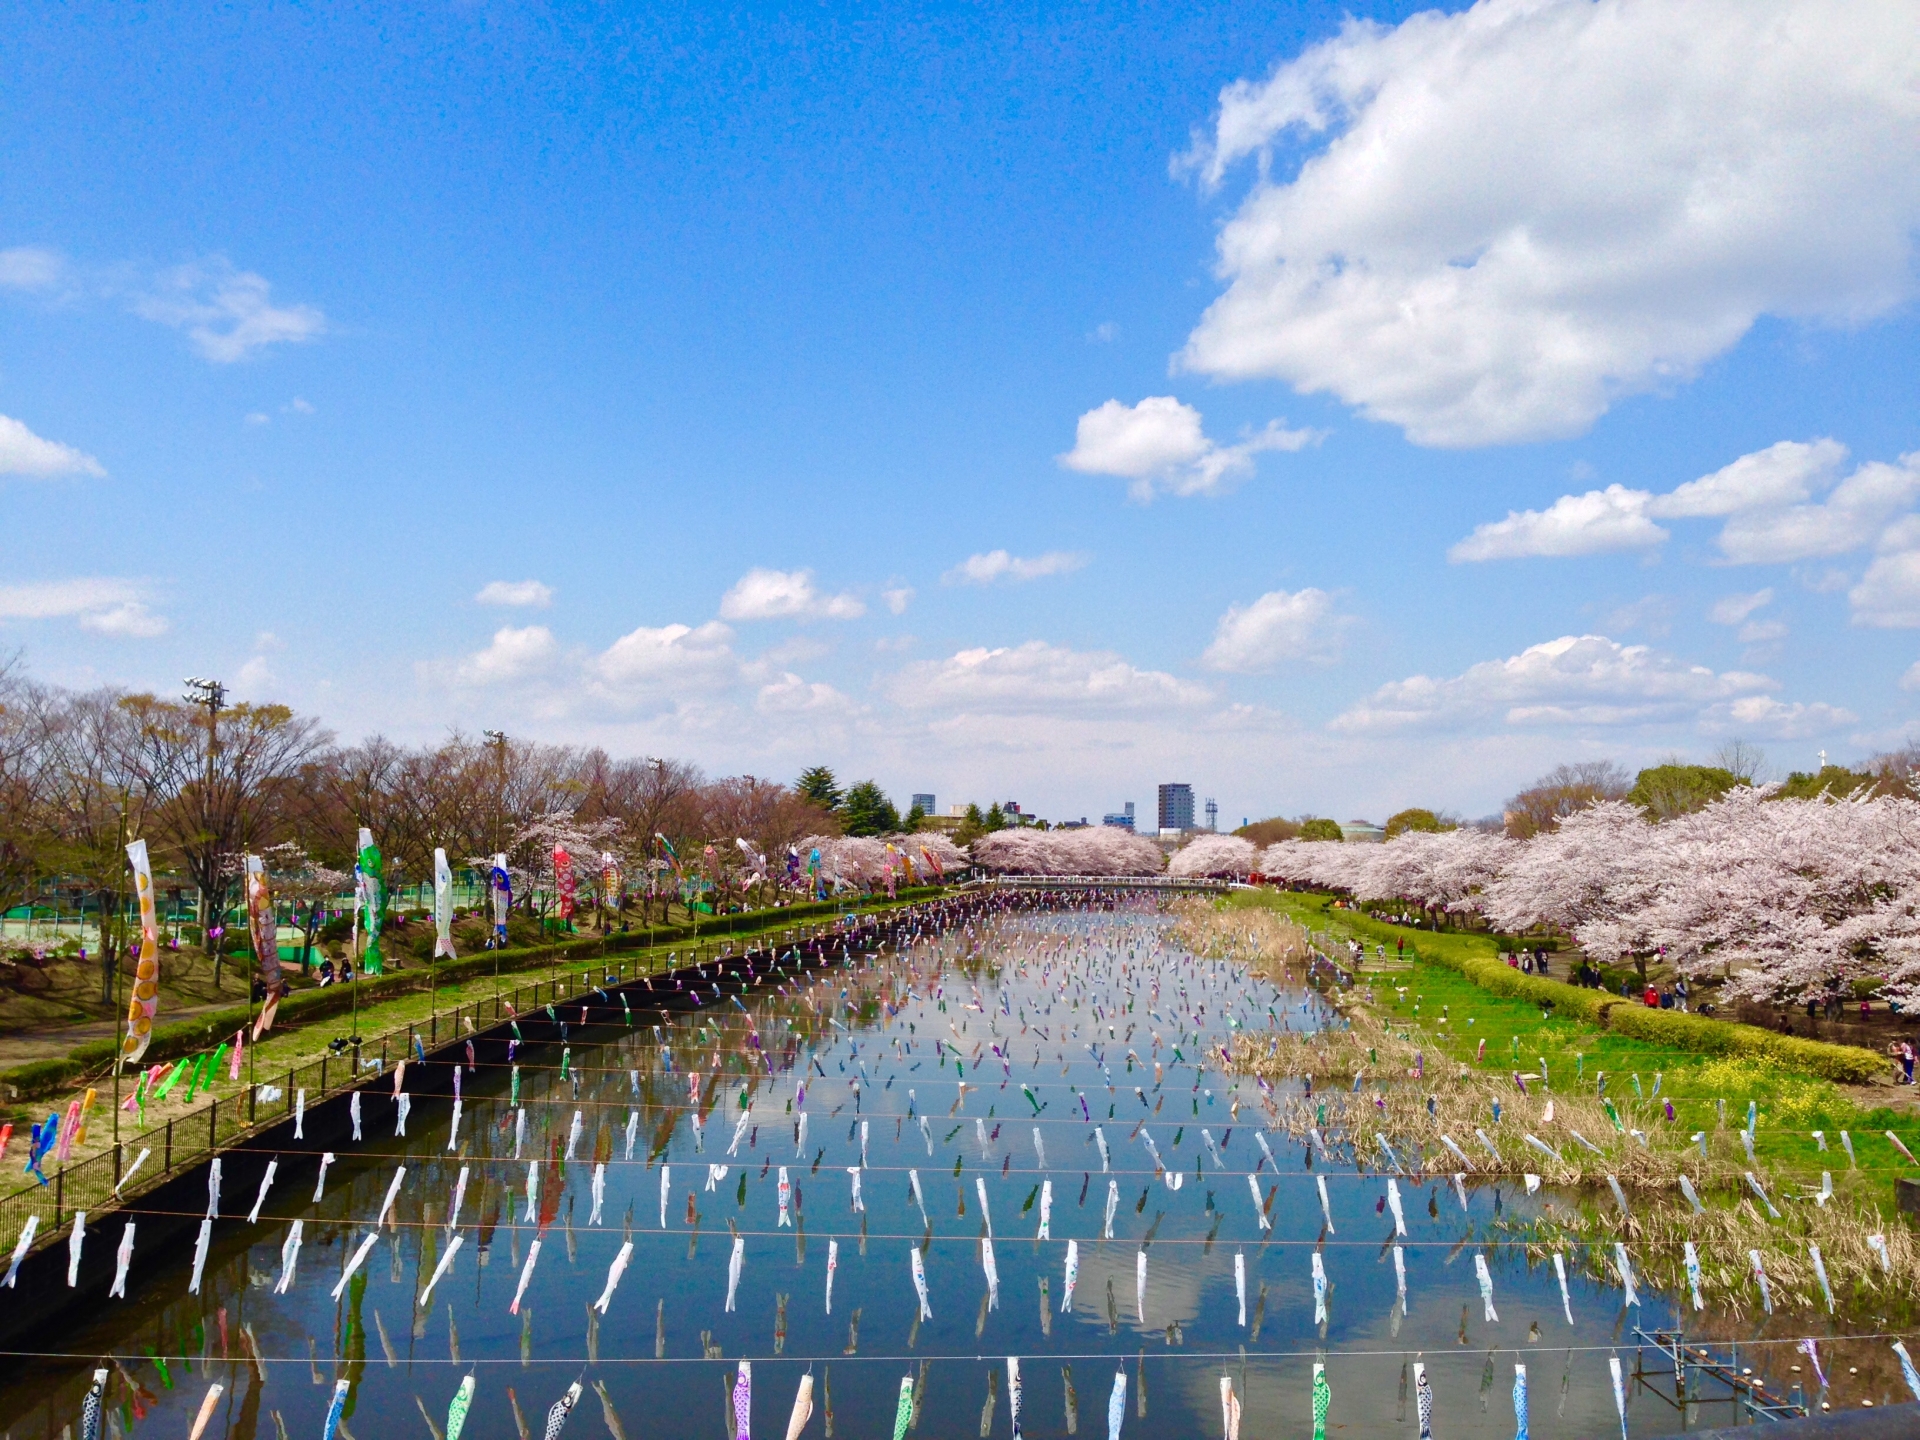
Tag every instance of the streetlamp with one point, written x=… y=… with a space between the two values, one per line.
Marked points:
x=498 y=739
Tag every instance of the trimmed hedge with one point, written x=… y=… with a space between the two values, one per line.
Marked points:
x=40 y=1077
x=1848 y=1064
x=1591 y=1006
x=1677 y=1030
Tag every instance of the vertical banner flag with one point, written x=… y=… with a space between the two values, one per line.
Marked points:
x=265 y=934
x=367 y=893
x=610 y=888
x=442 y=905
x=146 y=974
x=261 y=924
x=502 y=886
x=563 y=880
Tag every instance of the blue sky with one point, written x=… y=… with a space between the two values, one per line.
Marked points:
x=999 y=403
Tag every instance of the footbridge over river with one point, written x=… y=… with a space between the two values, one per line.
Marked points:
x=1154 y=883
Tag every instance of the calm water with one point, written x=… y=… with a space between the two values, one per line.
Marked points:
x=1083 y=1007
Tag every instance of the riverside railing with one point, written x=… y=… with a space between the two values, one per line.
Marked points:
x=121 y=1172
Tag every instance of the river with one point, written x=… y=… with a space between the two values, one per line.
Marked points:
x=1070 y=1031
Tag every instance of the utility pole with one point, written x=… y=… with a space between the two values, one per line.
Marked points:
x=211 y=696
x=498 y=739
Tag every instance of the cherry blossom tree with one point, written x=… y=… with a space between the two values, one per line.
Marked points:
x=1215 y=856
x=1095 y=850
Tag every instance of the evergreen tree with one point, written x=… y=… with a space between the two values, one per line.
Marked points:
x=817 y=783
x=996 y=818
x=865 y=810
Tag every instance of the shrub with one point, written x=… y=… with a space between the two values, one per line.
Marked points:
x=39 y=1077
x=1847 y=1064
x=1569 y=1000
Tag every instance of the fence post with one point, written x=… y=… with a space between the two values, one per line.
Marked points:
x=167 y=1160
x=323 y=1074
x=213 y=1123
x=116 y=1165
x=59 y=1193
x=253 y=1103
x=288 y=1097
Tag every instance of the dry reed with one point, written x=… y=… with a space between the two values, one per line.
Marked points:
x=1375 y=1080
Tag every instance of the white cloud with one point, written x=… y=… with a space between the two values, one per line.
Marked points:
x=515 y=656
x=258 y=417
x=1160 y=444
x=1760 y=631
x=1782 y=474
x=516 y=593
x=1277 y=627
x=1611 y=519
x=1652 y=613
x=668 y=657
x=1888 y=595
x=1764 y=498
x=1732 y=609
x=1911 y=679
x=1105 y=332
x=1517 y=213
x=1853 y=515
x=1038 y=677
x=24 y=453
x=1763 y=717
x=795 y=649
x=50 y=599
x=994 y=565
x=31 y=267
x=227 y=313
x=763 y=594
x=256 y=677
x=790 y=697
x=103 y=605
x=1577 y=679
x=898 y=597
x=131 y=621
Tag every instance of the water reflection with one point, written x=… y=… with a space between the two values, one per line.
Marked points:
x=963 y=1091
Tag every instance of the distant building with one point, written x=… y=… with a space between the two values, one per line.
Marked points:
x=1363 y=831
x=1119 y=822
x=1176 y=807
x=1080 y=824
x=925 y=802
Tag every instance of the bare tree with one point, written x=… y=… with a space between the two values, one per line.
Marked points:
x=1744 y=761
x=1562 y=791
x=224 y=782
x=97 y=798
x=23 y=818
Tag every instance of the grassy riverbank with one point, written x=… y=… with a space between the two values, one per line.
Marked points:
x=1453 y=1018
x=423 y=996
